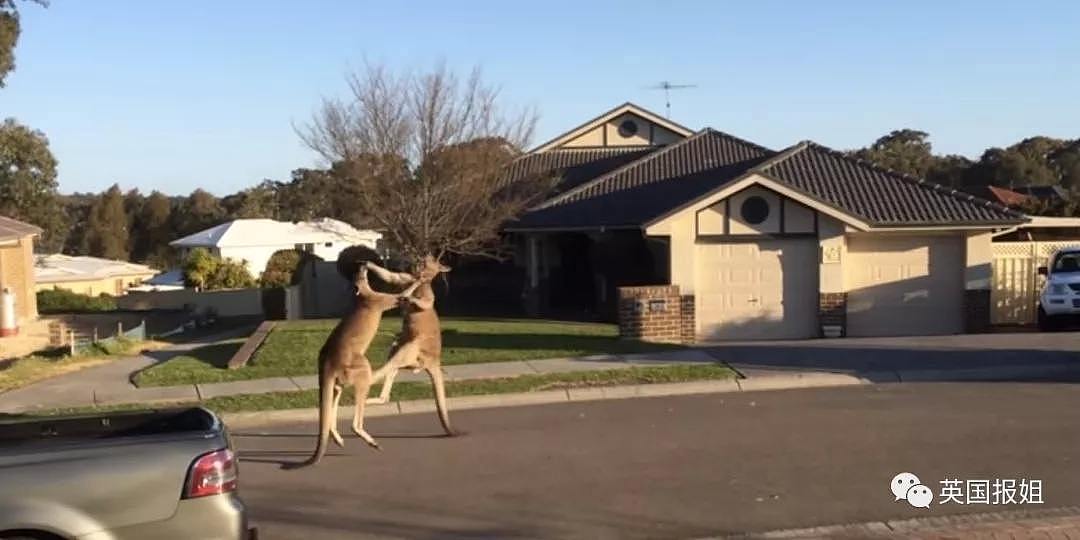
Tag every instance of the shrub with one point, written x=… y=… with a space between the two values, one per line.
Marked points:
x=207 y=271
x=63 y=301
x=281 y=268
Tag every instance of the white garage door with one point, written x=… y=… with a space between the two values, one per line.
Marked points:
x=904 y=286
x=765 y=289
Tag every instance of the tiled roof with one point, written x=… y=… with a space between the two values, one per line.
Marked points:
x=666 y=179
x=575 y=165
x=877 y=195
x=11 y=229
x=1001 y=195
x=1045 y=193
x=652 y=185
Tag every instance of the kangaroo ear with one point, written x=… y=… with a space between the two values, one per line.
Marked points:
x=443 y=268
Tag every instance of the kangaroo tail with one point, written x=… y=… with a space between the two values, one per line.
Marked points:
x=327 y=417
x=436 y=374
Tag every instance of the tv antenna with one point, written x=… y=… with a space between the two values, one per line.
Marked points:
x=667 y=87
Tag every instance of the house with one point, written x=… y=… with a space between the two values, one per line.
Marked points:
x=1002 y=196
x=17 y=265
x=700 y=235
x=171 y=280
x=88 y=275
x=256 y=240
x=1051 y=195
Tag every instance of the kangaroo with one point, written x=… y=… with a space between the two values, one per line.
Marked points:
x=419 y=346
x=343 y=360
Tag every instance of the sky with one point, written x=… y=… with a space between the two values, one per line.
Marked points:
x=175 y=96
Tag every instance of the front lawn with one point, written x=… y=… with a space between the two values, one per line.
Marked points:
x=19 y=372
x=292 y=348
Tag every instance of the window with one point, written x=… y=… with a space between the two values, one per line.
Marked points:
x=628 y=128
x=305 y=247
x=328 y=244
x=754 y=210
x=1067 y=263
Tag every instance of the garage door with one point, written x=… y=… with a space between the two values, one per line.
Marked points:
x=757 y=290
x=904 y=286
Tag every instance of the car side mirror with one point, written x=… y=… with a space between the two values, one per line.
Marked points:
x=1042 y=271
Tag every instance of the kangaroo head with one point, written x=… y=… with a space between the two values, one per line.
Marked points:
x=429 y=268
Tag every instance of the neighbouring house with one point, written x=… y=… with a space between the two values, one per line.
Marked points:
x=686 y=235
x=1048 y=194
x=256 y=240
x=88 y=275
x=17 y=265
x=171 y=280
x=1000 y=195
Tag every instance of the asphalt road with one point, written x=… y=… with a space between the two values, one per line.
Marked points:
x=667 y=467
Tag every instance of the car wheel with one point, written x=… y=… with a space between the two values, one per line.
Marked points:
x=1046 y=323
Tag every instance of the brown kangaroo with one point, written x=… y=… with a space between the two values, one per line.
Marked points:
x=420 y=344
x=343 y=360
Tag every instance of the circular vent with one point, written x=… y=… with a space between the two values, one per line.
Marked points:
x=628 y=128
x=754 y=210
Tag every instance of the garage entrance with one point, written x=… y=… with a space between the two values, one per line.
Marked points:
x=763 y=289
x=911 y=285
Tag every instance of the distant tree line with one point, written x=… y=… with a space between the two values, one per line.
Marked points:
x=133 y=226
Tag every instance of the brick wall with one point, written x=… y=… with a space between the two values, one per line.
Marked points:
x=656 y=313
x=832 y=311
x=976 y=310
x=17 y=273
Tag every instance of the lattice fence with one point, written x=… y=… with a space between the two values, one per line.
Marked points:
x=1015 y=292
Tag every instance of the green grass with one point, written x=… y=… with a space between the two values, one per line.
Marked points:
x=406 y=391
x=291 y=349
x=45 y=364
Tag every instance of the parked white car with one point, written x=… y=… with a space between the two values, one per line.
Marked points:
x=1060 y=297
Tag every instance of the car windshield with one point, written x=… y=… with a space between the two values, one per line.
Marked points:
x=1067 y=262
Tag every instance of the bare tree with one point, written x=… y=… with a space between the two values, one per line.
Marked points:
x=425 y=158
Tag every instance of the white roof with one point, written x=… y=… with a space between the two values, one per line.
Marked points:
x=57 y=267
x=269 y=232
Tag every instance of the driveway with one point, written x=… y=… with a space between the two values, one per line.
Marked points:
x=875 y=356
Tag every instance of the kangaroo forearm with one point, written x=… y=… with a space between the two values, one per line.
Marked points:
x=395 y=278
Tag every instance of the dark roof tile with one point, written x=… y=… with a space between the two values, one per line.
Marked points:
x=877 y=195
x=575 y=166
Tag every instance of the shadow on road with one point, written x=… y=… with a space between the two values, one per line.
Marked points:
x=997 y=357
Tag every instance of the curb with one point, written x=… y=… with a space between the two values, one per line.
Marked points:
x=247 y=419
x=788 y=381
x=950 y=526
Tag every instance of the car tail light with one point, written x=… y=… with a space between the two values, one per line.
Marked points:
x=212 y=474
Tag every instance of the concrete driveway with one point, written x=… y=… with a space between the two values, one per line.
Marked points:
x=872 y=357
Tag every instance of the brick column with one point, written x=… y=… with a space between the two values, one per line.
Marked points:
x=654 y=313
x=832 y=313
x=688 y=325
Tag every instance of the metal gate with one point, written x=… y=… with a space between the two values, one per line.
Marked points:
x=1015 y=292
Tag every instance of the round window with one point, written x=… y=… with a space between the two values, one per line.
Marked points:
x=754 y=210
x=628 y=128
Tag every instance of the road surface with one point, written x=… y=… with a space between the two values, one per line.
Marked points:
x=673 y=467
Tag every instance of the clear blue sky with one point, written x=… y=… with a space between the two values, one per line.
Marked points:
x=179 y=95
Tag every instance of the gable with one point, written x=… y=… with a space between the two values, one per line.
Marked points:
x=625 y=125
x=755 y=211
x=627 y=129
